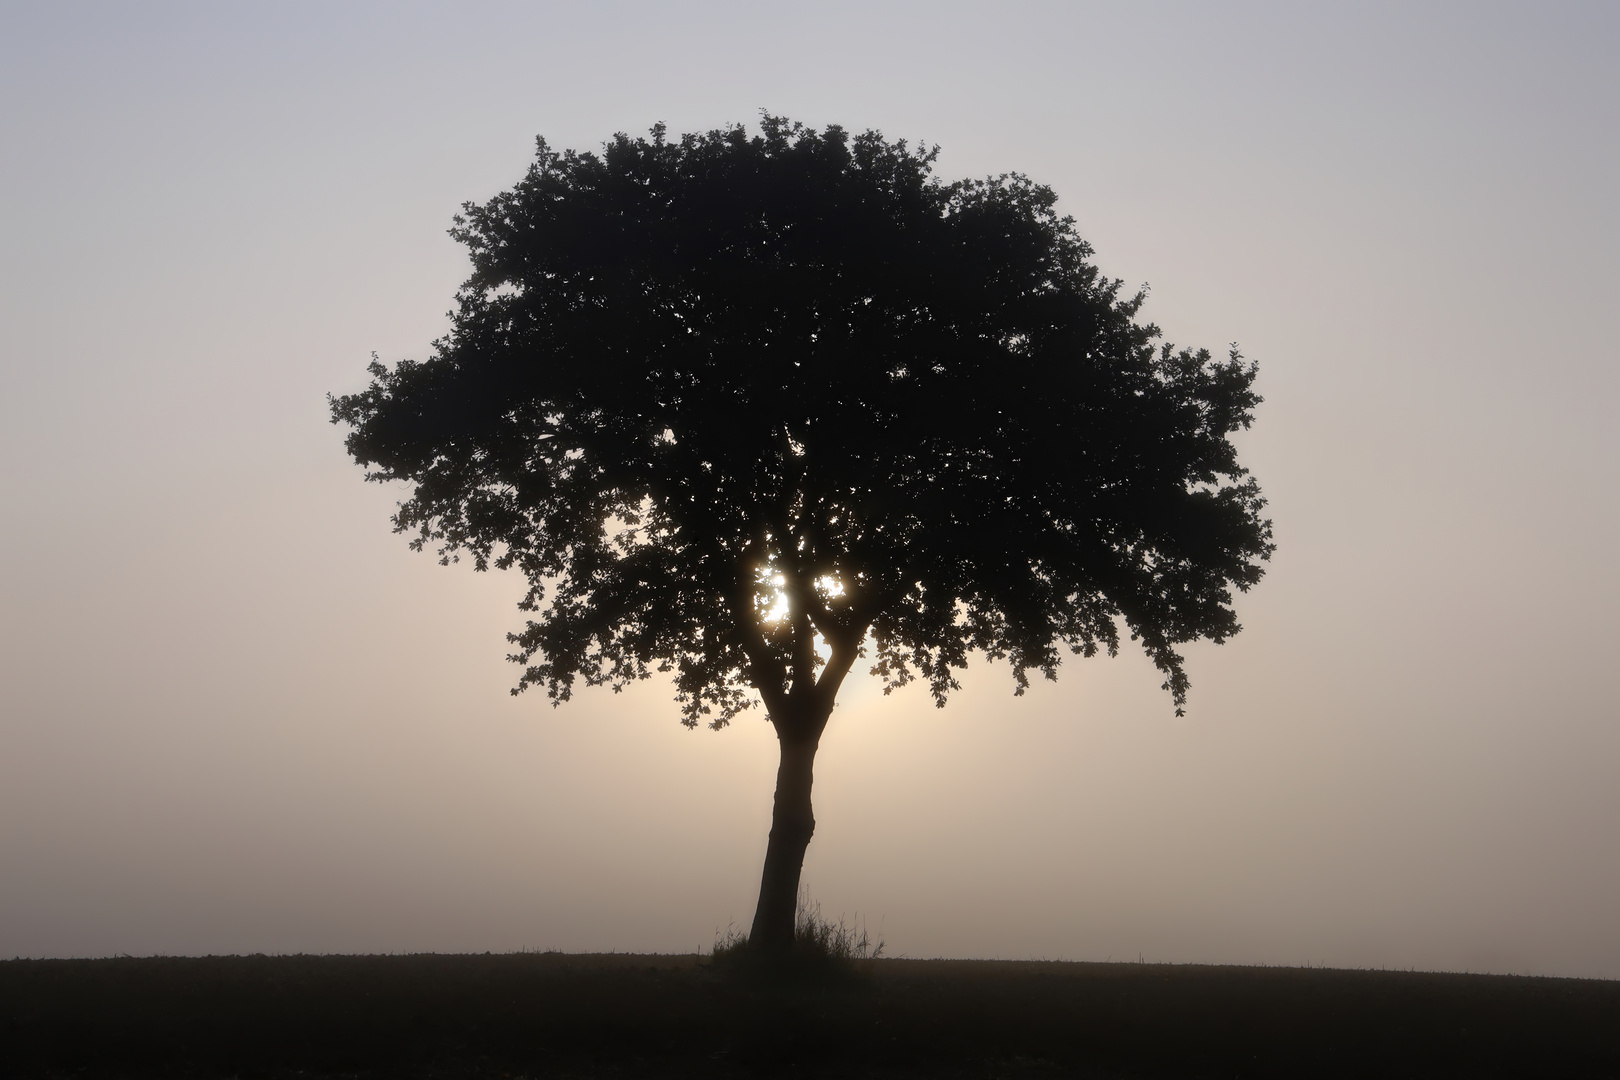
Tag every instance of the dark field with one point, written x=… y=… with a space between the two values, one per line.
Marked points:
x=535 y=1015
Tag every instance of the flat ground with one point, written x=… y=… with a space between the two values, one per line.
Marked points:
x=542 y=1015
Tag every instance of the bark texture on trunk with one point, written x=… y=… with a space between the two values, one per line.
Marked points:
x=792 y=825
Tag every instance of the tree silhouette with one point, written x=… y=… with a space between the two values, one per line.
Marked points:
x=746 y=410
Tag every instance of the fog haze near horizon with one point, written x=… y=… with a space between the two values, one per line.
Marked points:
x=238 y=715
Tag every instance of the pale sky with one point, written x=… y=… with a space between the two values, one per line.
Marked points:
x=237 y=714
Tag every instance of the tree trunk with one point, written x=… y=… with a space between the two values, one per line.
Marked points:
x=792 y=825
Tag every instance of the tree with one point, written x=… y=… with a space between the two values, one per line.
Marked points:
x=746 y=410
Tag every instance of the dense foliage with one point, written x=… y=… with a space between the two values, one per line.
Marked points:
x=745 y=409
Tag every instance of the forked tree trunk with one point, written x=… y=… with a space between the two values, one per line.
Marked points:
x=792 y=825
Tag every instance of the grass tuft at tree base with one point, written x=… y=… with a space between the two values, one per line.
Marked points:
x=822 y=951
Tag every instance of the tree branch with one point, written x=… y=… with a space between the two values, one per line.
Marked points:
x=768 y=676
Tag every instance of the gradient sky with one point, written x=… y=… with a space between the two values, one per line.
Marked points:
x=237 y=714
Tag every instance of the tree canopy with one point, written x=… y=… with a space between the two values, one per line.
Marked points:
x=720 y=396
x=748 y=409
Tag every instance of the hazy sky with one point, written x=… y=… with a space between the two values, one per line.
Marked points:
x=237 y=714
